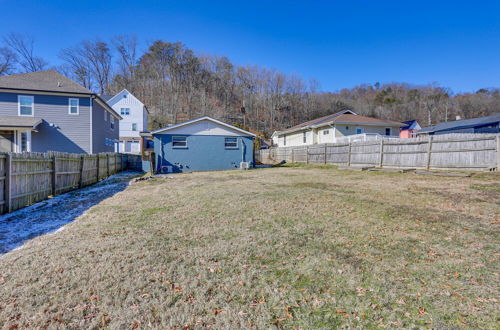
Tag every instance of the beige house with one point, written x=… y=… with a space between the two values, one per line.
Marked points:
x=338 y=127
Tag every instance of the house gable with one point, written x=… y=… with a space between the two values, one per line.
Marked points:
x=203 y=126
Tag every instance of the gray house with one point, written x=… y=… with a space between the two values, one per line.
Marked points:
x=488 y=124
x=45 y=111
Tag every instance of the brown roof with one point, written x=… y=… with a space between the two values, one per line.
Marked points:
x=348 y=118
x=6 y=121
x=49 y=80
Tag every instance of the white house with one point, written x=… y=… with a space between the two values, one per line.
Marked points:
x=135 y=120
x=338 y=127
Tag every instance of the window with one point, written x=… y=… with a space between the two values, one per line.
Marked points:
x=388 y=131
x=24 y=138
x=105 y=115
x=231 y=143
x=347 y=127
x=74 y=107
x=25 y=105
x=304 y=137
x=179 y=142
x=326 y=132
x=284 y=140
x=124 y=111
x=112 y=122
x=359 y=130
x=134 y=126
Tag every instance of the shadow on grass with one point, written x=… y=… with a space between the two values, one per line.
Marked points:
x=52 y=214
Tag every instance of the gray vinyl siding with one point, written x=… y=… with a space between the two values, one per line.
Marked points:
x=101 y=129
x=68 y=133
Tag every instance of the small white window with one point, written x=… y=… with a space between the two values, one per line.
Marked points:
x=134 y=126
x=284 y=140
x=25 y=105
x=74 y=106
x=359 y=130
x=326 y=132
x=231 y=143
x=304 y=137
x=179 y=142
x=125 y=111
x=112 y=122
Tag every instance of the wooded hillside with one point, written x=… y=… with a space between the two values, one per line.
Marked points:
x=176 y=84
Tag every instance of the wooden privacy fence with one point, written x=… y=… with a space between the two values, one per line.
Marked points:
x=450 y=151
x=27 y=178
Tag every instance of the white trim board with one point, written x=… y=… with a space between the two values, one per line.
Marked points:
x=190 y=122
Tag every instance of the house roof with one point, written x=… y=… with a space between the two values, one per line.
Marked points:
x=410 y=124
x=459 y=124
x=106 y=97
x=342 y=117
x=49 y=81
x=18 y=121
x=189 y=122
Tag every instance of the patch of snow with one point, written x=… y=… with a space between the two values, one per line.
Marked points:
x=52 y=214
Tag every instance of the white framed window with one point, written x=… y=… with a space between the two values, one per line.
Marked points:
x=359 y=130
x=124 y=111
x=388 y=131
x=231 y=143
x=284 y=140
x=105 y=115
x=24 y=141
x=134 y=126
x=304 y=137
x=73 y=106
x=25 y=105
x=112 y=122
x=326 y=132
x=179 y=142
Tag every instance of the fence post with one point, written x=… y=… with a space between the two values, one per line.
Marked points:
x=307 y=154
x=82 y=159
x=107 y=164
x=7 y=182
x=498 y=153
x=116 y=164
x=349 y=155
x=54 y=175
x=292 y=154
x=380 y=160
x=97 y=171
x=429 y=151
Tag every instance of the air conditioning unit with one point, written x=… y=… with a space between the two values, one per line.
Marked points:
x=244 y=165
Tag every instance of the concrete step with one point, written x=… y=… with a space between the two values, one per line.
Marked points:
x=392 y=170
x=452 y=174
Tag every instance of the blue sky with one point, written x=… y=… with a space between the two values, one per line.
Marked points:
x=340 y=43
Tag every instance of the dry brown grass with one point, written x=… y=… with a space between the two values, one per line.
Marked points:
x=304 y=247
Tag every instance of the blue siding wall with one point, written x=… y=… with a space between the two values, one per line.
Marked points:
x=203 y=153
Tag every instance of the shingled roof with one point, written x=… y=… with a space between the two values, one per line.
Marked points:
x=460 y=124
x=346 y=116
x=48 y=80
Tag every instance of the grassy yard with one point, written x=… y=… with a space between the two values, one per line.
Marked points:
x=293 y=247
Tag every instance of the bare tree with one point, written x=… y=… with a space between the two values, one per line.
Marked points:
x=7 y=61
x=90 y=62
x=126 y=46
x=23 y=47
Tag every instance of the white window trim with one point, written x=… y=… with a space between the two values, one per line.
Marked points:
x=32 y=105
x=18 y=141
x=177 y=147
x=304 y=137
x=112 y=122
x=390 y=131
x=105 y=115
x=125 y=114
x=134 y=130
x=77 y=106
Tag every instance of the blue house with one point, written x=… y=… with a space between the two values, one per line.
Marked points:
x=488 y=124
x=202 y=144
